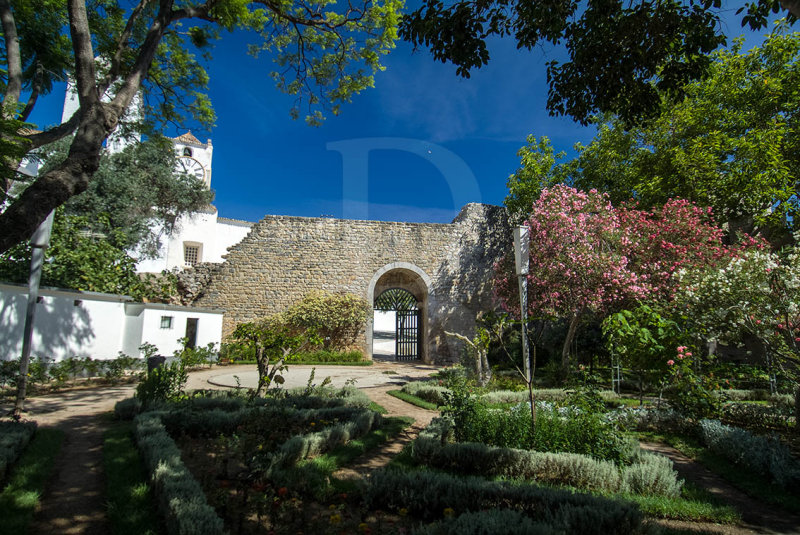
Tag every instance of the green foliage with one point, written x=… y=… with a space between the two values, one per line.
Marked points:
x=336 y=318
x=131 y=510
x=413 y=400
x=651 y=475
x=270 y=341
x=569 y=429
x=25 y=485
x=731 y=144
x=644 y=341
x=324 y=355
x=163 y=383
x=691 y=391
x=756 y=417
x=538 y=170
x=301 y=447
x=43 y=370
x=14 y=436
x=127 y=408
x=664 y=45
x=428 y=494
x=195 y=357
x=83 y=260
x=646 y=475
x=324 y=54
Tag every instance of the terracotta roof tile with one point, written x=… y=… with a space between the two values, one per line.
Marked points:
x=188 y=138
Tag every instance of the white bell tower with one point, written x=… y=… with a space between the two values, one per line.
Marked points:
x=194 y=157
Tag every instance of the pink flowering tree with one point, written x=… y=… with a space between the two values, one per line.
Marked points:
x=588 y=257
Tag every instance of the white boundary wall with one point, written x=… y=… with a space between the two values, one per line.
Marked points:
x=71 y=323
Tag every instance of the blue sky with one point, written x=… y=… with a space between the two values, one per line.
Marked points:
x=464 y=134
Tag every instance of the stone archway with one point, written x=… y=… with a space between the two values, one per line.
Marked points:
x=408 y=277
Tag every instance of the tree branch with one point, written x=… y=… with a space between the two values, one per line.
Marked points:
x=84 y=54
x=122 y=43
x=133 y=81
x=13 y=58
x=41 y=139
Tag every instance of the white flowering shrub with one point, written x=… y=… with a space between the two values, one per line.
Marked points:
x=757 y=293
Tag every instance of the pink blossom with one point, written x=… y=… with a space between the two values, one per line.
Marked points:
x=688 y=354
x=670 y=362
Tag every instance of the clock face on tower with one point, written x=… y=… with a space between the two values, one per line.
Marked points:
x=191 y=167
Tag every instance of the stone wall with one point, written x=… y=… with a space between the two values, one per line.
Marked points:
x=283 y=258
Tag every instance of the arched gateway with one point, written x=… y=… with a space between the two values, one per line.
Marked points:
x=403 y=288
x=447 y=268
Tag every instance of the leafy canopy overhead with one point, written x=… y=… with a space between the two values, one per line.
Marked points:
x=623 y=57
x=732 y=144
x=324 y=52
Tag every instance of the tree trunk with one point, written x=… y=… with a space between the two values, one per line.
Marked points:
x=54 y=188
x=487 y=370
x=573 y=327
x=797 y=408
x=262 y=371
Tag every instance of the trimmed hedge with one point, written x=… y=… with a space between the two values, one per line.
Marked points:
x=301 y=447
x=180 y=497
x=432 y=392
x=649 y=474
x=127 y=408
x=763 y=455
x=14 y=436
x=427 y=494
x=493 y=521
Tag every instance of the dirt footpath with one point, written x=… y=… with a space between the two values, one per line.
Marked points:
x=74 y=500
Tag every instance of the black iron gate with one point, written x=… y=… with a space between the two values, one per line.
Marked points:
x=408 y=340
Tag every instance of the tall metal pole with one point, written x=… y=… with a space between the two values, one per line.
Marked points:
x=522 y=245
x=39 y=242
x=522 y=257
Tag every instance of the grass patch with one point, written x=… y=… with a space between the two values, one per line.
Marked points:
x=131 y=510
x=346 y=453
x=414 y=400
x=380 y=409
x=754 y=485
x=27 y=479
x=695 y=505
x=315 y=474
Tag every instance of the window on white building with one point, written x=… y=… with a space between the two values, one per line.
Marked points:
x=166 y=322
x=187 y=151
x=191 y=254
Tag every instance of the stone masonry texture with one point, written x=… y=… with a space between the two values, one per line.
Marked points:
x=283 y=258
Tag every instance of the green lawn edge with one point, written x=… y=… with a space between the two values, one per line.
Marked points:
x=27 y=480
x=131 y=506
x=414 y=400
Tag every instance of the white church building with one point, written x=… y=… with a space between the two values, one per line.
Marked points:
x=199 y=237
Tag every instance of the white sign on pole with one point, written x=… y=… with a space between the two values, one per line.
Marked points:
x=522 y=245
